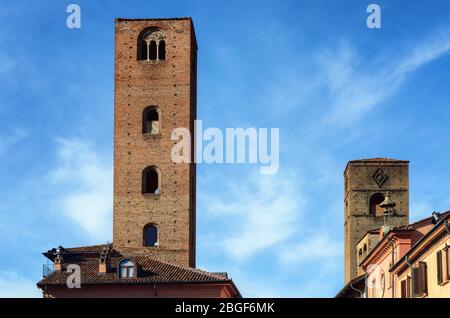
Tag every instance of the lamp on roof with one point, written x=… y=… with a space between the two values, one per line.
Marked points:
x=388 y=205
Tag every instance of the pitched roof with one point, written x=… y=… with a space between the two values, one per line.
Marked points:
x=151 y=270
x=404 y=228
x=442 y=223
x=411 y=226
x=354 y=288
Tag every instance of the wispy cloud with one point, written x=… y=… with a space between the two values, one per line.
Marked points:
x=85 y=178
x=14 y=285
x=357 y=86
x=316 y=247
x=269 y=209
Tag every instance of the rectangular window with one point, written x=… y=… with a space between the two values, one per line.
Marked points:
x=406 y=287
x=419 y=280
x=403 y=288
x=415 y=282
x=439 y=267
x=423 y=278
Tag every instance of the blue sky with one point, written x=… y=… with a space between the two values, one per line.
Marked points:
x=336 y=90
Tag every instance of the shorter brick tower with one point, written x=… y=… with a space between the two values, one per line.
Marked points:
x=155 y=92
x=366 y=182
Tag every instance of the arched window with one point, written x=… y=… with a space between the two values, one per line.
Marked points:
x=374 y=201
x=142 y=54
x=360 y=254
x=150 y=181
x=162 y=50
x=150 y=120
x=151 y=45
x=365 y=250
x=150 y=235
x=152 y=50
x=126 y=269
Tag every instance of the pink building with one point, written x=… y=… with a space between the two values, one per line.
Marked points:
x=394 y=244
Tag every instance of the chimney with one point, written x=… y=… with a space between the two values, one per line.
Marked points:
x=104 y=264
x=59 y=259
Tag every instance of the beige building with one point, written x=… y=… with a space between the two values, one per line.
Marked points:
x=424 y=271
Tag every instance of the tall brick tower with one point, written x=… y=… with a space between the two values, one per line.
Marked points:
x=366 y=182
x=155 y=92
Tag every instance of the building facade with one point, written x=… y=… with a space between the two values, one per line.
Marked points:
x=365 y=184
x=155 y=93
x=154 y=230
x=424 y=271
x=394 y=243
x=393 y=259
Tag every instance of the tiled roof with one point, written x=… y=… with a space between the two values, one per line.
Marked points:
x=150 y=270
x=411 y=226
x=444 y=217
x=349 y=291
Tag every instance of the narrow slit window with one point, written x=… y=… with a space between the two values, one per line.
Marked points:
x=152 y=50
x=143 y=50
x=162 y=50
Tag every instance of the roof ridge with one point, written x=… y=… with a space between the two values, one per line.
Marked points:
x=429 y=217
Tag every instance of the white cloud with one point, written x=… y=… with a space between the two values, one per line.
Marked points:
x=357 y=87
x=318 y=248
x=86 y=180
x=268 y=207
x=13 y=285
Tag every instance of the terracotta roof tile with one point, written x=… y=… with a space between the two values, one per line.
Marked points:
x=150 y=270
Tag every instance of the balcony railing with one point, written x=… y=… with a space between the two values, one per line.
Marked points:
x=46 y=270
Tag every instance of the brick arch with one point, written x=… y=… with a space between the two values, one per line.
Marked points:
x=374 y=202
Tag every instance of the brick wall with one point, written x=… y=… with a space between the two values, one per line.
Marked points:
x=170 y=85
x=359 y=186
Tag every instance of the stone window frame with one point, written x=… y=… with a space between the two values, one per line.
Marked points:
x=148 y=35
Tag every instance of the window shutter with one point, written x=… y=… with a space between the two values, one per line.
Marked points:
x=403 y=289
x=439 y=267
x=408 y=287
x=447 y=262
x=415 y=282
x=423 y=278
